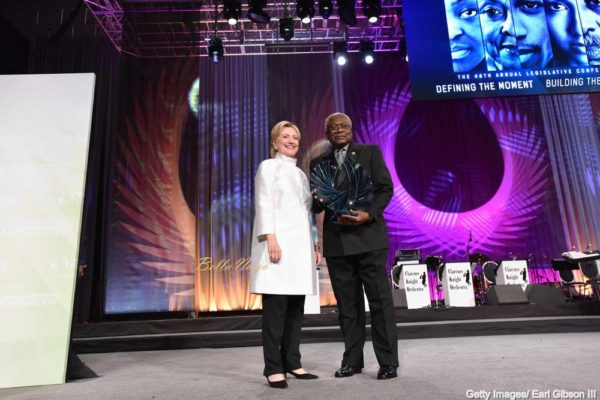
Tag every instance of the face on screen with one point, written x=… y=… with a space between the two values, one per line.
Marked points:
x=529 y=19
x=464 y=31
x=499 y=36
x=564 y=28
x=589 y=12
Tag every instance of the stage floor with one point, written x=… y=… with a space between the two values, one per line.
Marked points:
x=433 y=368
x=244 y=330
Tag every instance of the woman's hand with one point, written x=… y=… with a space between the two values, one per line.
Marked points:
x=318 y=257
x=273 y=247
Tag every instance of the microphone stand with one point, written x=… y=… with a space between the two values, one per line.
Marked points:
x=469 y=246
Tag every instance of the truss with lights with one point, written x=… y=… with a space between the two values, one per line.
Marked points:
x=151 y=28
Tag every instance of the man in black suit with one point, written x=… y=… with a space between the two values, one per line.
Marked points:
x=355 y=247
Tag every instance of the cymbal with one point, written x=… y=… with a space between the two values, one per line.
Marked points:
x=478 y=258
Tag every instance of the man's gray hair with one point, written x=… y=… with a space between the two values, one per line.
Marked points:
x=337 y=114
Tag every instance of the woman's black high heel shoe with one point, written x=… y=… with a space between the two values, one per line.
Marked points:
x=277 y=384
x=303 y=376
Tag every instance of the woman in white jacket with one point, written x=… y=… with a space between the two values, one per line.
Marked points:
x=284 y=254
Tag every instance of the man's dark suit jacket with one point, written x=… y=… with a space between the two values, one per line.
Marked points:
x=341 y=240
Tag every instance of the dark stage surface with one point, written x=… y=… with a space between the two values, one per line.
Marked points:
x=244 y=330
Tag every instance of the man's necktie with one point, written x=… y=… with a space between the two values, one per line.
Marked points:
x=340 y=155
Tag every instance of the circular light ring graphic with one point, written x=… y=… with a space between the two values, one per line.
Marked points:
x=495 y=225
x=457 y=155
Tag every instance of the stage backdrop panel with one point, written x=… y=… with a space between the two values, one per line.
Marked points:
x=470 y=175
x=44 y=136
x=483 y=48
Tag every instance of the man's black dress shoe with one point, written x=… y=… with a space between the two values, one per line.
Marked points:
x=346 y=371
x=278 y=384
x=303 y=376
x=387 y=372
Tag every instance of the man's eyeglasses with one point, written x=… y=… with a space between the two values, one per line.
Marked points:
x=338 y=127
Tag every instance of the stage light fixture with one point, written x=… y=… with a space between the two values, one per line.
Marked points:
x=305 y=10
x=347 y=11
x=340 y=52
x=216 y=50
x=325 y=8
x=372 y=10
x=232 y=9
x=366 y=52
x=256 y=12
x=403 y=52
x=286 y=28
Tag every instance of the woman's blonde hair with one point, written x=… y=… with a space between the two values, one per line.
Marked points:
x=276 y=131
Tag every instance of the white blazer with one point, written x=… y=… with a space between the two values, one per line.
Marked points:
x=282 y=207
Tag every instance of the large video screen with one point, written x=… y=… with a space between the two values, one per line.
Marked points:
x=480 y=48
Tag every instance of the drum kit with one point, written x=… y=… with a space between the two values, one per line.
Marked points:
x=587 y=263
x=436 y=264
x=483 y=273
x=484 y=270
